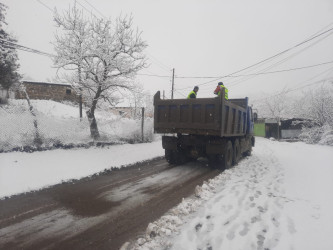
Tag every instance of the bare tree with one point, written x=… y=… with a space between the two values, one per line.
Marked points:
x=136 y=101
x=273 y=106
x=103 y=55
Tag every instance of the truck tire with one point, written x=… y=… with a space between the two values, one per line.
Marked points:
x=214 y=161
x=248 y=152
x=227 y=156
x=175 y=156
x=236 y=152
x=170 y=156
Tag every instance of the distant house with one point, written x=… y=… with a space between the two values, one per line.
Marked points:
x=259 y=127
x=287 y=129
x=271 y=128
x=292 y=128
x=49 y=91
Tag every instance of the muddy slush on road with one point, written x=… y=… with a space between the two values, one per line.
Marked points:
x=100 y=212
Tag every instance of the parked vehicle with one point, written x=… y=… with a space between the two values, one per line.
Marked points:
x=216 y=128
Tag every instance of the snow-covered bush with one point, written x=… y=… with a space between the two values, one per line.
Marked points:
x=327 y=136
x=318 y=135
x=317 y=106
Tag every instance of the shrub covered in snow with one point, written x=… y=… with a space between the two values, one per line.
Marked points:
x=318 y=135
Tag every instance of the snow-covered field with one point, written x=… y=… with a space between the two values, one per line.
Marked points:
x=279 y=198
x=60 y=124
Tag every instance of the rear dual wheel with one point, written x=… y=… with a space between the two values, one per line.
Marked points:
x=236 y=152
x=175 y=156
x=227 y=156
x=224 y=160
x=170 y=156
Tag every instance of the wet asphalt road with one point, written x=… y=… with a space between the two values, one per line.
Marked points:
x=100 y=212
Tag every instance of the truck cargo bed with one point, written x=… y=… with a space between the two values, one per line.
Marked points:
x=201 y=116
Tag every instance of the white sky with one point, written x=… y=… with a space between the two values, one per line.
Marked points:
x=198 y=38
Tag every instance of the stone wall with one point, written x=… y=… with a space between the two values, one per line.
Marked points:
x=49 y=91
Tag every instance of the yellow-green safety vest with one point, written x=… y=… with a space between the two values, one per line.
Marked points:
x=226 y=92
x=192 y=92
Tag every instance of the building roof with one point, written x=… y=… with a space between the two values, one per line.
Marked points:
x=47 y=83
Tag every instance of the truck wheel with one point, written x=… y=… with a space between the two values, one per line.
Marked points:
x=175 y=156
x=227 y=156
x=237 y=152
x=213 y=161
x=170 y=156
x=248 y=152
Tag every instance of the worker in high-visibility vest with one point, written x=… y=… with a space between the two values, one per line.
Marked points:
x=193 y=93
x=219 y=88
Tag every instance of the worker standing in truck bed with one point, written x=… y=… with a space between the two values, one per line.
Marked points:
x=193 y=93
x=219 y=89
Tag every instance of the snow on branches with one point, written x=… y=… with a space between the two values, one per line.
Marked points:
x=103 y=56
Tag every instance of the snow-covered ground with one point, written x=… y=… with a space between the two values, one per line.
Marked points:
x=279 y=198
x=59 y=123
x=23 y=172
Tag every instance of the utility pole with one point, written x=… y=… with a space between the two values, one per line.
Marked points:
x=278 y=130
x=80 y=97
x=173 y=82
x=142 y=124
x=80 y=104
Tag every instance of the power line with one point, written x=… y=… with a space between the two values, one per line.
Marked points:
x=90 y=12
x=44 y=5
x=269 y=58
x=154 y=75
x=254 y=74
x=327 y=72
x=291 y=90
x=12 y=45
x=180 y=93
x=311 y=83
x=94 y=8
x=159 y=63
x=279 y=62
x=286 y=70
x=235 y=76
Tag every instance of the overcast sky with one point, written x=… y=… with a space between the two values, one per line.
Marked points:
x=200 y=38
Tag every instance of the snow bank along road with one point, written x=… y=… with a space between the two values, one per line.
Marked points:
x=101 y=212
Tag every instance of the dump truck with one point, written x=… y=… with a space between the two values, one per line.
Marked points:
x=218 y=129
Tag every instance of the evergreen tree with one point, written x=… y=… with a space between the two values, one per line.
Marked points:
x=8 y=55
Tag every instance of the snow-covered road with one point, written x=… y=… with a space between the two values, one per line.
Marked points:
x=279 y=198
